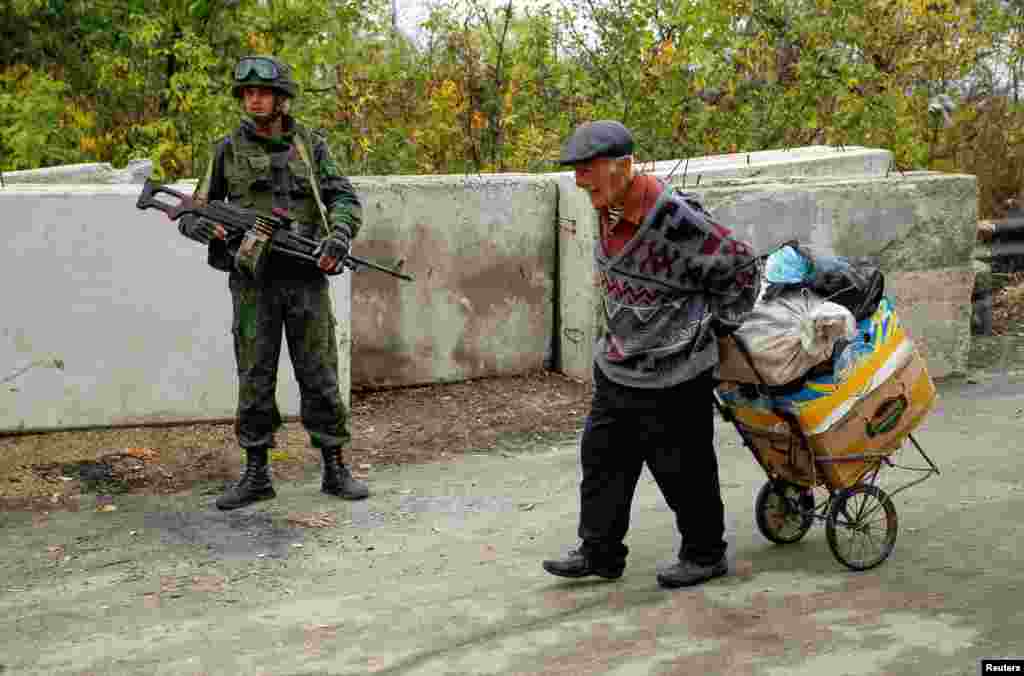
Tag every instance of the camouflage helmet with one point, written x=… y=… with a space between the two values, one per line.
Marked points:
x=263 y=71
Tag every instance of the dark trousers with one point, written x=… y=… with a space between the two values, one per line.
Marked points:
x=300 y=309
x=672 y=430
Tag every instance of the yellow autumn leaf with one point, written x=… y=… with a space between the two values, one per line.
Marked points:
x=87 y=144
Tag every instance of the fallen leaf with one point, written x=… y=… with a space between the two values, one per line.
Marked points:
x=374 y=664
x=313 y=519
x=56 y=552
x=743 y=568
x=142 y=453
x=151 y=600
x=207 y=583
x=106 y=508
x=316 y=634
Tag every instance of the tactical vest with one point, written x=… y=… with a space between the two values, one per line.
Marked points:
x=677 y=282
x=262 y=180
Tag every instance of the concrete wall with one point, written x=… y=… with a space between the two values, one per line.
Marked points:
x=806 y=161
x=142 y=325
x=482 y=250
x=918 y=227
x=92 y=173
x=140 y=322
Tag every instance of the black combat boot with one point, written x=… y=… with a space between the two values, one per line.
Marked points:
x=338 y=480
x=254 y=484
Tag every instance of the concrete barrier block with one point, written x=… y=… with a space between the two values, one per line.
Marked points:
x=912 y=221
x=482 y=251
x=936 y=307
x=806 y=161
x=136 y=171
x=140 y=322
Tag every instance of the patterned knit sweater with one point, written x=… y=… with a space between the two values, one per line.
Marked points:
x=676 y=282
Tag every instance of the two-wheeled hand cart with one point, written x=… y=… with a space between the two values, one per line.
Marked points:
x=836 y=434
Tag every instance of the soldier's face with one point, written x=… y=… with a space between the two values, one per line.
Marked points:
x=604 y=179
x=258 y=102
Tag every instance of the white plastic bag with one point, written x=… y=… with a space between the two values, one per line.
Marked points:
x=786 y=337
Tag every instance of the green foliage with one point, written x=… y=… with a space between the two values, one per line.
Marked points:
x=490 y=85
x=37 y=126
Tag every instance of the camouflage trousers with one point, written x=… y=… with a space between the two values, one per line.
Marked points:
x=301 y=310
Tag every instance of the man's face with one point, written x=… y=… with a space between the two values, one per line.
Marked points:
x=604 y=179
x=258 y=102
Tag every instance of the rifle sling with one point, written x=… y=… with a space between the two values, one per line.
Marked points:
x=304 y=154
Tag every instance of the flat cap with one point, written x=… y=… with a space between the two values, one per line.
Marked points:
x=603 y=138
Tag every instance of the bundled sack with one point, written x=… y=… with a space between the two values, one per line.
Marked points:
x=785 y=337
x=856 y=284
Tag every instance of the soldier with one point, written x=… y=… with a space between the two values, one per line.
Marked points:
x=273 y=164
x=670 y=279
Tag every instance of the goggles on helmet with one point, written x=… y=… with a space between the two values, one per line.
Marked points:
x=264 y=69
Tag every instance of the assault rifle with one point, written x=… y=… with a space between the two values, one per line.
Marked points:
x=240 y=223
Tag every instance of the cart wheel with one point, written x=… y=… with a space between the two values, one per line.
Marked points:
x=784 y=512
x=861 y=526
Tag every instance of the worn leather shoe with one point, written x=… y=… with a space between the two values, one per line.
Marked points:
x=579 y=564
x=688 y=573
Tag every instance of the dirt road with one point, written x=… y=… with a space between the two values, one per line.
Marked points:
x=439 y=573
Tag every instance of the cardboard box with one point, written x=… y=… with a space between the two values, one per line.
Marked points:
x=876 y=426
x=850 y=418
x=787 y=455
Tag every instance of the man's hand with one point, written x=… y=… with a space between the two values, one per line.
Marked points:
x=333 y=251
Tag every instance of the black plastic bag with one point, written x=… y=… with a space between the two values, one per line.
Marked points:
x=856 y=285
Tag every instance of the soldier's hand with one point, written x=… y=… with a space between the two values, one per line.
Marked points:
x=201 y=229
x=211 y=228
x=333 y=252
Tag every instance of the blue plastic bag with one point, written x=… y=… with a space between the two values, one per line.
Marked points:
x=787 y=266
